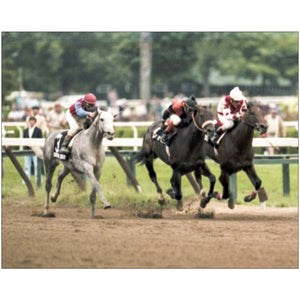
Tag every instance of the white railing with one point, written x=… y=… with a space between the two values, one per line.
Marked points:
x=137 y=142
x=134 y=125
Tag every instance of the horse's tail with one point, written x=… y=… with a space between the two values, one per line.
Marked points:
x=139 y=157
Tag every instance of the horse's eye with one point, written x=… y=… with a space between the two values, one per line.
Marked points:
x=101 y=119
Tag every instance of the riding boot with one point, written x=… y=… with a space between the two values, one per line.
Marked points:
x=216 y=137
x=64 y=147
x=164 y=137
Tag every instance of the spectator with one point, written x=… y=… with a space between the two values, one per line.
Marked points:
x=31 y=132
x=40 y=120
x=13 y=115
x=56 y=118
x=126 y=114
x=112 y=97
x=276 y=127
x=141 y=111
x=16 y=115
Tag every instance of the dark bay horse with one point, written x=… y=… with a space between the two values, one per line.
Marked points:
x=87 y=157
x=184 y=155
x=235 y=153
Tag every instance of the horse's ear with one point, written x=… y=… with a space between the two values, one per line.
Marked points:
x=99 y=110
x=115 y=116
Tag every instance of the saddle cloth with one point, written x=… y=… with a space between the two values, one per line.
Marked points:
x=59 y=139
x=157 y=135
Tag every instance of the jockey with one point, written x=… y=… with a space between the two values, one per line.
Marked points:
x=178 y=112
x=76 y=115
x=230 y=109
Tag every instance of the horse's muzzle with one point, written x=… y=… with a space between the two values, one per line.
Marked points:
x=261 y=128
x=109 y=135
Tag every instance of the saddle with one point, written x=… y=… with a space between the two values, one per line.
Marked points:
x=59 y=139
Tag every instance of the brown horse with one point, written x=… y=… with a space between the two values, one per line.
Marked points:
x=184 y=155
x=235 y=153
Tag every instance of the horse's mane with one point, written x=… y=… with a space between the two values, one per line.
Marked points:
x=251 y=103
x=88 y=121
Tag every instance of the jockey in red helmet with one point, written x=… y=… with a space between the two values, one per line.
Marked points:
x=76 y=115
x=230 y=108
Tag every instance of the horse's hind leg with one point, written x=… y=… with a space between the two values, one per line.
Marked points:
x=50 y=168
x=224 y=179
x=61 y=175
x=93 y=201
x=255 y=180
x=152 y=175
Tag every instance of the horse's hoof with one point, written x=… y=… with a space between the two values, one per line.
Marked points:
x=171 y=193
x=215 y=195
x=203 y=203
x=251 y=197
x=248 y=198
x=107 y=206
x=53 y=198
x=161 y=200
x=231 y=204
x=179 y=205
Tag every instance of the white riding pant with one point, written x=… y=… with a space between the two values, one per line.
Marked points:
x=175 y=119
x=227 y=122
x=75 y=123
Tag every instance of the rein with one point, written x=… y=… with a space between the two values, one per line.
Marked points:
x=203 y=125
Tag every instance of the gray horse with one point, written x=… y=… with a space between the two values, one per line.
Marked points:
x=87 y=157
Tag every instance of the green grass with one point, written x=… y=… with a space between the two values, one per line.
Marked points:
x=119 y=194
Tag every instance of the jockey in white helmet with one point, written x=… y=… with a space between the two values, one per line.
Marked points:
x=230 y=109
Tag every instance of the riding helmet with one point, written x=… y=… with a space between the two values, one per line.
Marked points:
x=236 y=94
x=90 y=98
x=190 y=104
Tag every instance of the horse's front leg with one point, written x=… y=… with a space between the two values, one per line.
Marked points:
x=255 y=180
x=89 y=171
x=212 y=181
x=224 y=179
x=176 y=185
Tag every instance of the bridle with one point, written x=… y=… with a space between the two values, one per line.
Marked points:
x=202 y=128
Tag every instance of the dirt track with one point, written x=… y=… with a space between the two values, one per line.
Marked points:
x=246 y=237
